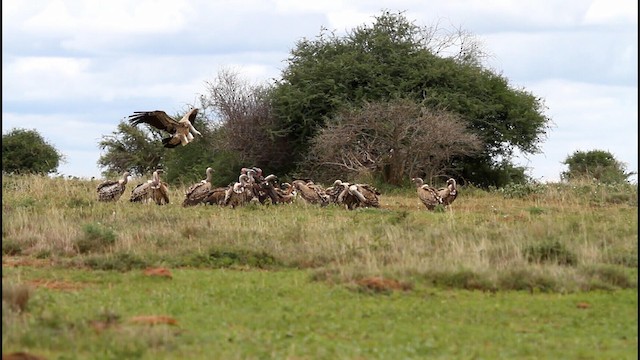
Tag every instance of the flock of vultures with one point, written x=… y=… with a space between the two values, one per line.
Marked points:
x=251 y=186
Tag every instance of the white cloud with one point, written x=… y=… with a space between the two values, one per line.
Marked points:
x=85 y=65
x=612 y=12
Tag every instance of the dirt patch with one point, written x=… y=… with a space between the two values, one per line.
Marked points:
x=158 y=272
x=14 y=261
x=57 y=285
x=154 y=320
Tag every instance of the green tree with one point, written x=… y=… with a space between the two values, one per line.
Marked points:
x=26 y=151
x=595 y=164
x=133 y=149
x=139 y=150
x=394 y=58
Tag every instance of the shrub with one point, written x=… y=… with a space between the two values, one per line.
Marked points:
x=96 y=237
x=550 y=252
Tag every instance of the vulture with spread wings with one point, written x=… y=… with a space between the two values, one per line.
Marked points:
x=182 y=132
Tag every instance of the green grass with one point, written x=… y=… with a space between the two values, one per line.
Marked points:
x=227 y=314
x=536 y=271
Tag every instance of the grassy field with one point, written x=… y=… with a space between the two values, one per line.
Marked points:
x=530 y=271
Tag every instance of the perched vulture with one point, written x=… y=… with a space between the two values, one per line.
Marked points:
x=197 y=192
x=366 y=195
x=275 y=193
x=216 y=196
x=431 y=196
x=182 y=132
x=449 y=193
x=152 y=190
x=339 y=194
x=310 y=192
x=238 y=194
x=111 y=190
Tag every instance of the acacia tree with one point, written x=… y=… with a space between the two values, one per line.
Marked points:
x=26 y=151
x=595 y=164
x=132 y=149
x=394 y=58
x=393 y=140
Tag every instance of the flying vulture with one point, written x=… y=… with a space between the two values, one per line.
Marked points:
x=182 y=132
x=111 y=190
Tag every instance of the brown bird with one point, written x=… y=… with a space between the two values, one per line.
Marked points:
x=431 y=196
x=239 y=194
x=310 y=192
x=277 y=194
x=367 y=195
x=182 y=131
x=449 y=193
x=111 y=190
x=153 y=190
x=198 y=191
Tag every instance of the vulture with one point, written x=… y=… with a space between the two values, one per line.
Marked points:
x=182 y=131
x=311 y=192
x=238 y=194
x=111 y=190
x=197 y=192
x=449 y=193
x=216 y=196
x=431 y=196
x=153 y=190
x=337 y=192
x=366 y=195
x=275 y=193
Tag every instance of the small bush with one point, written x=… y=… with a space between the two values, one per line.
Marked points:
x=522 y=279
x=16 y=296
x=521 y=191
x=462 y=279
x=610 y=275
x=117 y=262
x=11 y=247
x=96 y=237
x=550 y=252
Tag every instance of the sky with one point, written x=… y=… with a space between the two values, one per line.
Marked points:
x=73 y=69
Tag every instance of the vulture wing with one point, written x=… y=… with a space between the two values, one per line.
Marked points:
x=158 y=119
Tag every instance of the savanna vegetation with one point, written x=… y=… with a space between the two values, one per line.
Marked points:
x=440 y=111
x=523 y=271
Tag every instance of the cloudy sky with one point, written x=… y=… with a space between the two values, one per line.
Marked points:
x=73 y=69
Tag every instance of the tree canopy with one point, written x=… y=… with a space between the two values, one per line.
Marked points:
x=395 y=58
x=595 y=164
x=26 y=151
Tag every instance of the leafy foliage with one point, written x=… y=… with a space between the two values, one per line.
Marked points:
x=25 y=151
x=595 y=164
x=394 y=58
x=132 y=149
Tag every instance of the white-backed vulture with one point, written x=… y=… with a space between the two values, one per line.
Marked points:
x=182 y=131
x=152 y=190
x=337 y=192
x=449 y=193
x=367 y=196
x=431 y=196
x=238 y=194
x=111 y=190
x=310 y=192
x=198 y=191
x=275 y=193
x=216 y=196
